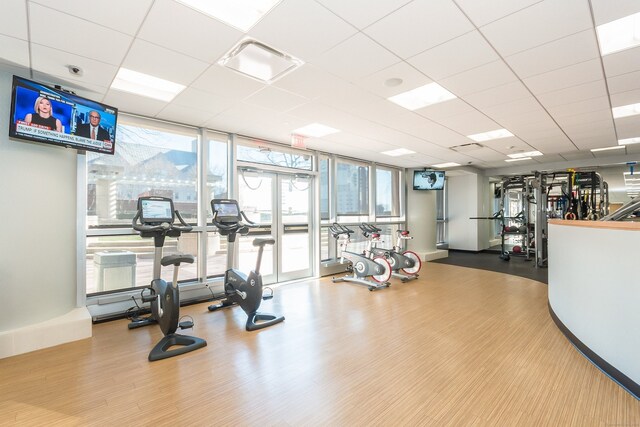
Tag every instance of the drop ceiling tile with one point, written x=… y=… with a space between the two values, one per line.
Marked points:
x=506 y=146
x=157 y=61
x=244 y=119
x=577 y=155
x=188 y=116
x=355 y=58
x=563 y=78
x=573 y=94
x=81 y=88
x=54 y=62
x=622 y=62
x=222 y=81
x=354 y=140
x=628 y=127
x=129 y=103
x=479 y=79
x=362 y=13
x=579 y=107
x=624 y=82
x=538 y=24
x=606 y=11
x=554 y=55
x=13 y=20
x=486 y=155
x=553 y=145
x=625 y=98
x=105 y=13
x=275 y=99
x=201 y=100
x=469 y=123
x=311 y=82
x=587 y=119
x=633 y=149
x=190 y=33
x=299 y=28
x=441 y=110
x=15 y=51
x=463 y=53
x=420 y=25
x=512 y=109
x=483 y=12
x=498 y=95
x=378 y=83
x=70 y=35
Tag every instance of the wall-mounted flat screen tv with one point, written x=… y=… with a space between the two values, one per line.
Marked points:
x=428 y=180
x=45 y=114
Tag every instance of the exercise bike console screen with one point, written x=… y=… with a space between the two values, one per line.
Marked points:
x=227 y=210
x=155 y=210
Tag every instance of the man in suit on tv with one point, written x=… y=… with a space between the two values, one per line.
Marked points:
x=92 y=129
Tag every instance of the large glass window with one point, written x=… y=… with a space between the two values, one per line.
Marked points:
x=323 y=167
x=387 y=192
x=352 y=191
x=217 y=188
x=151 y=159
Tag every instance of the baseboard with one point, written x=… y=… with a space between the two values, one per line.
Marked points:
x=72 y=326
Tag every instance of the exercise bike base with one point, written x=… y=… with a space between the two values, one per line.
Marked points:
x=264 y=319
x=404 y=277
x=142 y=322
x=373 y=286
x=182 y=344
x=223 y=304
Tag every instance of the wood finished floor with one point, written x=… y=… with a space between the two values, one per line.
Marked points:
x=458 y=347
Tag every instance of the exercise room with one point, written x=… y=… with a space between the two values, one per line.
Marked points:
x=320 y=212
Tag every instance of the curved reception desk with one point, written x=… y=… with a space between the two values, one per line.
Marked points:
x=594 y=293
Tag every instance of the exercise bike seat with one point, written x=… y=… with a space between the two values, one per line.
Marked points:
x=263 y=241
x=177 y=259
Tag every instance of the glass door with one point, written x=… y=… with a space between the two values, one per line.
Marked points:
x=280 y=204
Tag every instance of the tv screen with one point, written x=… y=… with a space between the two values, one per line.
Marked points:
x=44 y=114
x=428 y=180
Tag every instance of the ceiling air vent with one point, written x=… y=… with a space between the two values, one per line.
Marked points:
x=465 y=148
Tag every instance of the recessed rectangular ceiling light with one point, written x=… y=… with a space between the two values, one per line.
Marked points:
x=628 y=141
x=527 y=154
x=445 y=165
x=241 y=14
x=617 y=147
x=518 y=159
x=316 y=130
x=422 y=96
x=494 y=134
x=620 y=34
x=625 y=111
x=143 y=84
x=257 y=60
x=398 y=152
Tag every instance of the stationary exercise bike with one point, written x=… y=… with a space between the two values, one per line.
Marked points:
x=155 y=219
x=363 y=265
x=246 y=291
x=404 y=264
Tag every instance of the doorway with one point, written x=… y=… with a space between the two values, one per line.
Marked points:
x=280 y=203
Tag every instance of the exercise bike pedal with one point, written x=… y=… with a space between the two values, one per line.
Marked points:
x=187 y=324
x=267 y=297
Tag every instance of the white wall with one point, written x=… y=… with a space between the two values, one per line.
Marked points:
x=38 y=216
x=468 y=197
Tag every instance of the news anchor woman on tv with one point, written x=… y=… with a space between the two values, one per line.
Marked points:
x=43 y=115
x=92 y=130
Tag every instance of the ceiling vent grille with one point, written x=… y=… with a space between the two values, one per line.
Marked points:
x=465 y=148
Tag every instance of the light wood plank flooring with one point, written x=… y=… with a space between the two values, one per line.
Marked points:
x=458 y=347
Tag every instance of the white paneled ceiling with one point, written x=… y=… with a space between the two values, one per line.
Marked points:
x=530 y=66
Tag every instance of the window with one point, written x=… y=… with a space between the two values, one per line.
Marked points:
x=352 y=191
x=151 y=159
x=252 y=152
x=387 y=192
x=325 y=215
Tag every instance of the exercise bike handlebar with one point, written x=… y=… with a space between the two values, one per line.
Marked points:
x=368 y=229
x=238 y=226
x=337 y=229
x=165 y=226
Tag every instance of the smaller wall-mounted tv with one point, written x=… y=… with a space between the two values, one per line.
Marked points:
x=45 y=114
x=428 y=180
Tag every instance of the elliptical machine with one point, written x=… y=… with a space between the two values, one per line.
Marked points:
x=246 y=291
x=404 y=264
x=362 y=265
x=155 y=219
